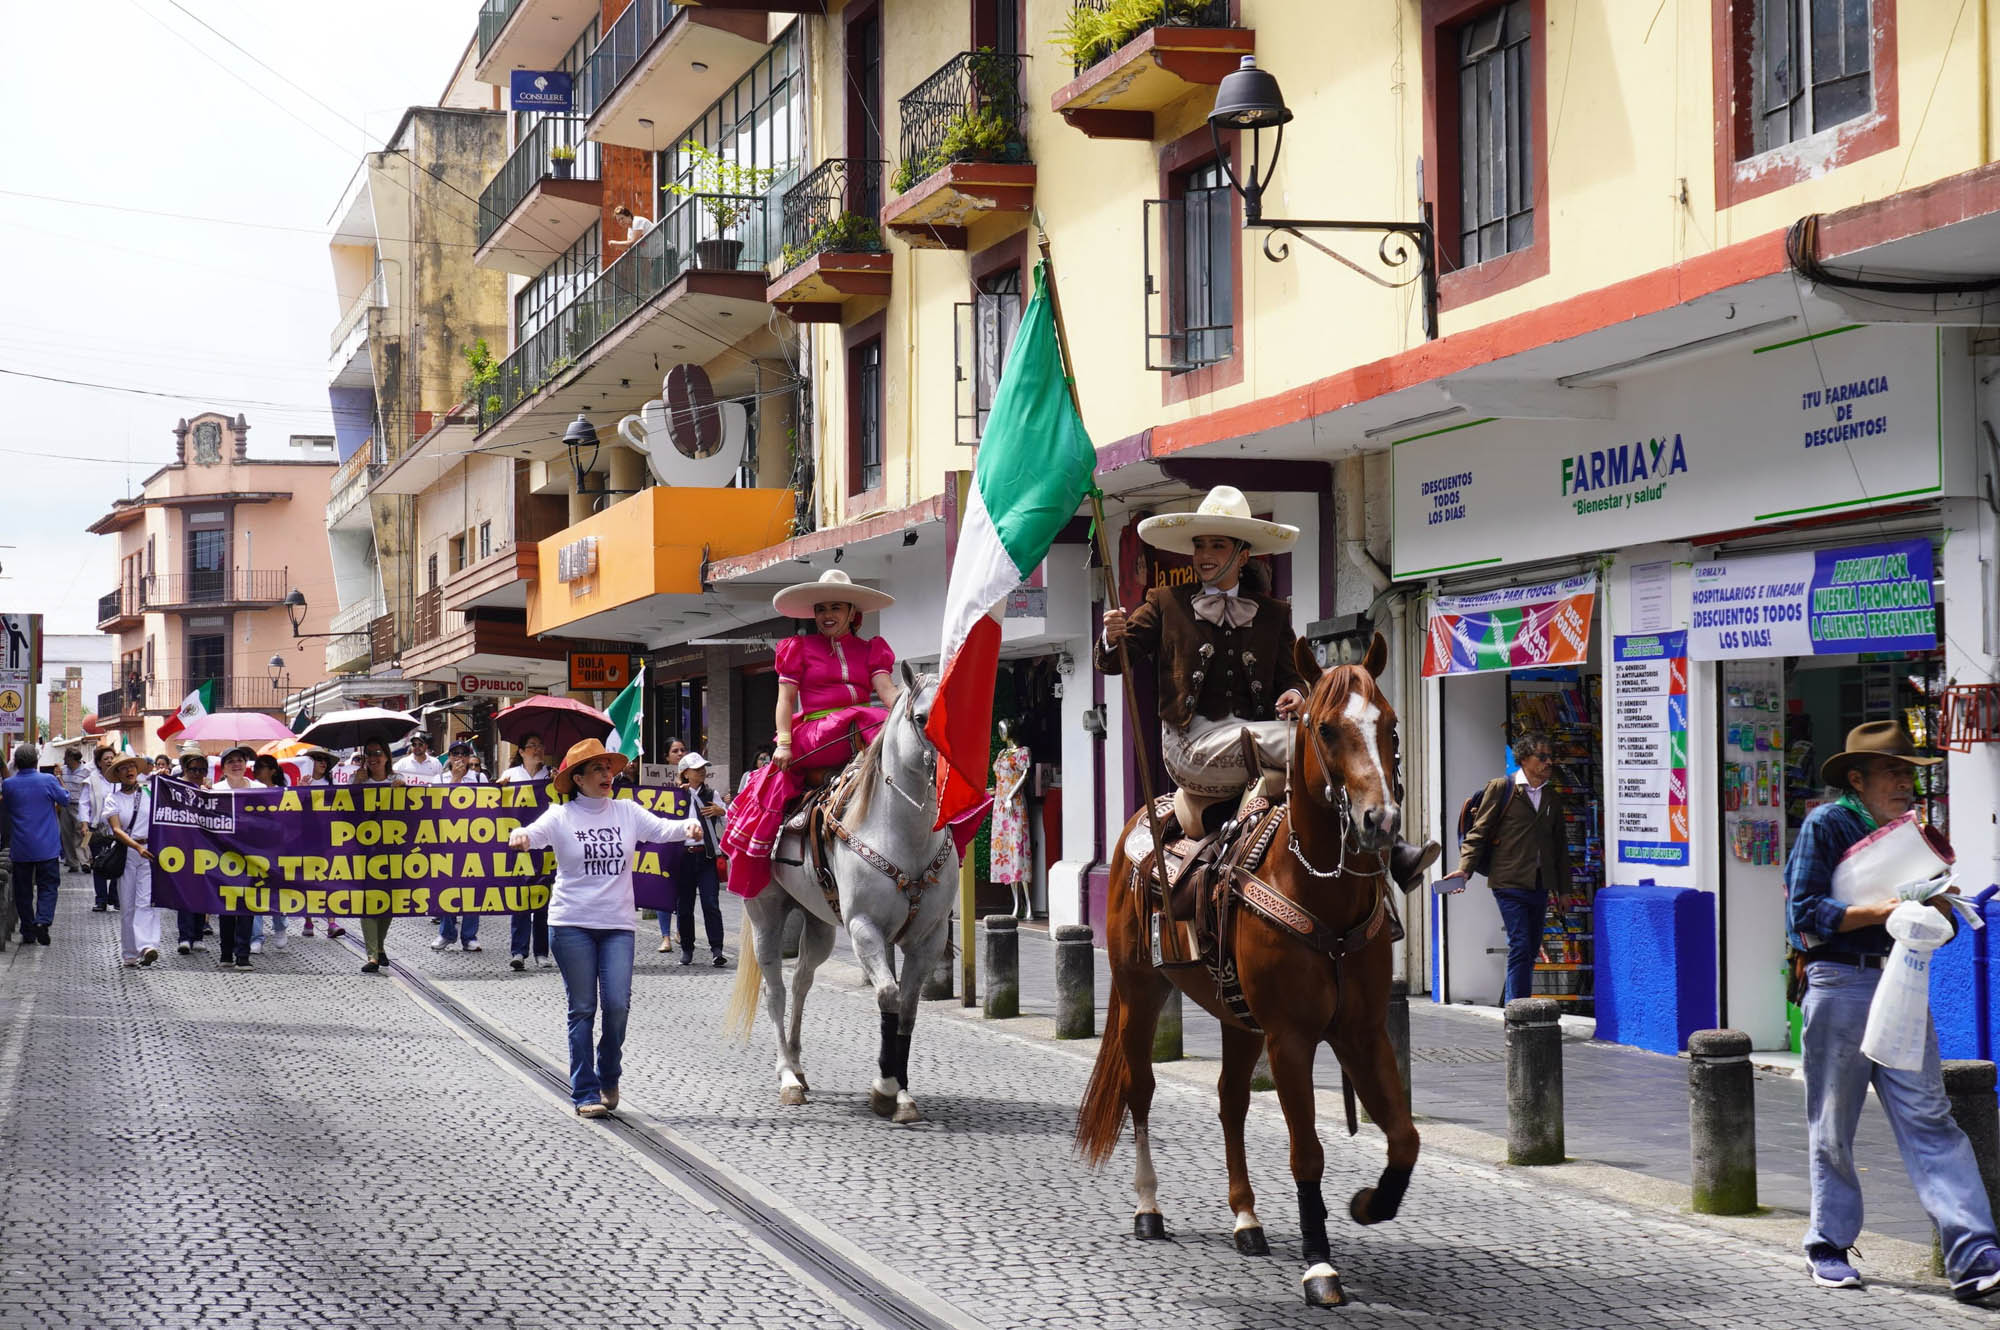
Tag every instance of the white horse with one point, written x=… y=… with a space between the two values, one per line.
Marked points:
x=896 y=880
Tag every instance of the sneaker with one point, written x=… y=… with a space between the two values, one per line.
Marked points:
x=42 y=934
x=544 y=962
x=335 y=930
x=518 y=962
x=242 y=962
x=474 y=946
x=149 y=955
x=225 y=964
x=687 y=958
x=130 y=965
x=99 y=909
x=439 y=944
x=720 y=961
x=1981 y=1279
x=283 y=940
x=1829 y=1268
x=592 y=1111
x=256 y=949
x=184 y=948
x=308 y=929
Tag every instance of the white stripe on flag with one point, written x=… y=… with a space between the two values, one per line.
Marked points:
x=982 y=573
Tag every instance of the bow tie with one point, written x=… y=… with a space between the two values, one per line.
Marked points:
x=1220 y=608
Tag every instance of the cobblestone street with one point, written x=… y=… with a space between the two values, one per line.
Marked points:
x=305 y=1145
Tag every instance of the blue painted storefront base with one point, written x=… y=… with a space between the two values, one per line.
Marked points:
x=1965 y=1002
x=1654 y=965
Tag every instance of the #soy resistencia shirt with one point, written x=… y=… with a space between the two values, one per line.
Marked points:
x=594 y=840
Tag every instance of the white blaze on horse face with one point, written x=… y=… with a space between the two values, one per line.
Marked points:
x=1366 y=717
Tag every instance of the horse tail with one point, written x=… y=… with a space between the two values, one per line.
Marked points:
x=741 y=1018
x=1100 y=1118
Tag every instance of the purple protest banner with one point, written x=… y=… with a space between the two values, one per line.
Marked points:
x=363 y=850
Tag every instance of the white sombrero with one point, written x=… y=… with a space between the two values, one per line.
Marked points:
x=797 y=601
x=1224 y=512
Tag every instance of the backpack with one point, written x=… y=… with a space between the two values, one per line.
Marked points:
x=1468 y=814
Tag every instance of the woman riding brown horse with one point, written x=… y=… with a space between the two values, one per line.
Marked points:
x=1311 y=949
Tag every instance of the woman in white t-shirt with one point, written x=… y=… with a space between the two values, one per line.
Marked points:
x=591 y=911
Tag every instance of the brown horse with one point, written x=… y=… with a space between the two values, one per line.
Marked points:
x=1325 y=977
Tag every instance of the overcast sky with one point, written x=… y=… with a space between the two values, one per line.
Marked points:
x=132 y=104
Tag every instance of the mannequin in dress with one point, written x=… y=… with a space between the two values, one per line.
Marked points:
x=1010 y=857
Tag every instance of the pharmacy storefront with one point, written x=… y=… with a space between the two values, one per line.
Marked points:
x=1696 y=600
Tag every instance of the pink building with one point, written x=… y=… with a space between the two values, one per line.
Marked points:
x=206 y=557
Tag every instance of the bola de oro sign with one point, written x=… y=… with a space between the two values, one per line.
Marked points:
x=603 y=670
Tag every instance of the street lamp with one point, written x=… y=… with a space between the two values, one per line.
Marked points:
x=579 y=437
x=295 y=609
x=277 y=664
x=1249 y=100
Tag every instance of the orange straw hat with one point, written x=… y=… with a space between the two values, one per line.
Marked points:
x=580 y=752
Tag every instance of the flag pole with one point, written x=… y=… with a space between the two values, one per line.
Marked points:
x=1109 y=571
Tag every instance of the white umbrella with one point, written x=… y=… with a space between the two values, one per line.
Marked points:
x=354 y=728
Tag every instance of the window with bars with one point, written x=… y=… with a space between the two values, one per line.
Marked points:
x=555 y=286
x=1496 y=183
x=1191 y=271
x=864 y=411
x=982 y=338
x=1811 y=67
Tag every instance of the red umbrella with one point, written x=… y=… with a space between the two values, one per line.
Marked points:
x=559 y=721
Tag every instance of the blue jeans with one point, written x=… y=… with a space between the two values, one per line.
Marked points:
x=529 y=926
x=453 y=927
x=1935 y=1152
x=698 y=883
x=596 y=965
x=1522 y=912
x=257 y=926
x=35 y=883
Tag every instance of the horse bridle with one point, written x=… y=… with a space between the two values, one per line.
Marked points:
x=1342 y=805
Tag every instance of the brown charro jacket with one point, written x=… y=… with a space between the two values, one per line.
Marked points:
x=1206 y=670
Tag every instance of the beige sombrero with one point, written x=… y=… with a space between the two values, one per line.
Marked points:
x=1224 y=512
x=797 y=601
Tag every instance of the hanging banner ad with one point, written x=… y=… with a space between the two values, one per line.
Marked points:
x=1815 y=603
x=1649 y=748
x=1515 y=628
x=1774 y=429
x=362 y=850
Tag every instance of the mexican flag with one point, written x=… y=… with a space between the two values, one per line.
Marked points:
x=628 y=717
x=1034 y=468
x=193 y=707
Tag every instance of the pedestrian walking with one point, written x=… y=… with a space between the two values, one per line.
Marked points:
x=28 y=800
x=375 y=770
x=529 y=929
x=322 y=774
x=242 y=934
x=459 y=929
x=190 y=926
x=89 y=797
x=1871 y=784
x=698 y=879
x=590 y=909
x=128 y=817
x=418 y=767
x=75 y=778
x=1519 y=841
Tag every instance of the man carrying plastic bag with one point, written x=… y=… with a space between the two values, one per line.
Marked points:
x=1847 y=942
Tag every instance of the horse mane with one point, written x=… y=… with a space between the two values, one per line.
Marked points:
x=1336 y=684
x=867 y=768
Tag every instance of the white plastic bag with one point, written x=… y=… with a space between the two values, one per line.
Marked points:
x=1905 y=850
x=1899 y=1017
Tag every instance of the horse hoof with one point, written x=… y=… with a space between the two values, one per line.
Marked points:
x=802 y=1083
x=1252 y=1242
x=906 y=1114
x=1321 y=1285
x=792 y=1096
x=881 y=1105
x=1357 y=1208
x=1149 y=1226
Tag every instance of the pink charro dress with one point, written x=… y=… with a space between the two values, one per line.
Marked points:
x=836 y=682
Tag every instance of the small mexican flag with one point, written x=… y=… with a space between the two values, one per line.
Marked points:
x=193 y=707
x=628 y=717
x=1034 y=468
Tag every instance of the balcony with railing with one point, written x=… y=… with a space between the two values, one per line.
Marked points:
x=116 y=704
x=347 y=348
x=666 y=63
x=527 y=34
x=1127 y=70
x=832 y=243
x=243 y=692
x=704 y=260
x=348 y=650
x=233 y=588
x=964 y=155
x=120 y=609
x=545 y=195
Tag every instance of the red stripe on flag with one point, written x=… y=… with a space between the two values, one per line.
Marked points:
x=961 y=722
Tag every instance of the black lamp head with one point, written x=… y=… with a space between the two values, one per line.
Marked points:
x=1249 y=99
x=295 y=608
x=581 y=433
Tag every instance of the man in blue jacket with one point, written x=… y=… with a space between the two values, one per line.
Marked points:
x=1845 y=946
x=29 y=802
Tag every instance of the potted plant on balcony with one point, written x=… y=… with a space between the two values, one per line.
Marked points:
x=726 y=193
x=562 y=159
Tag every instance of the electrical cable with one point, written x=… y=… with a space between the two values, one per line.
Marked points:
x=1802 y=252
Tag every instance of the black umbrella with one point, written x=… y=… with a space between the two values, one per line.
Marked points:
x=354 y=728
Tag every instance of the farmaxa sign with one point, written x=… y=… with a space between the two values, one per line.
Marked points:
x=1796 y=428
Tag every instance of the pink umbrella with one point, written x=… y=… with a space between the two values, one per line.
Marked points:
x=235 y=727
x=560 y=721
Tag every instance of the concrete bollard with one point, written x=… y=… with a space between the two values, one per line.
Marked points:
x=938 y=984
x=1969 y=1085
x=1722 y=1122
x=1399 y=1031
x=1167 y=1033
x=1534 y=1082
x=1076 y=982
x=1003 y=966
